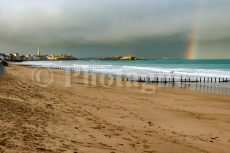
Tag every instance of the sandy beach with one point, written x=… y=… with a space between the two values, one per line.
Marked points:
x=60 y=112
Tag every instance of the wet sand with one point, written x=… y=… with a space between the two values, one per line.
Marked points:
x=73 y=116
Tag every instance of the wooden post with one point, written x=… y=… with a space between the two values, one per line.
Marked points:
x=189 y=80
x=204 y=79
x=219 y=79
x=173 y=79
x=215 y=79
x=200 y=80
x=148 y=79
x=127 y=79
x=157 y=79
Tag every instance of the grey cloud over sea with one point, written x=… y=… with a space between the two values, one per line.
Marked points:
x=146 y=28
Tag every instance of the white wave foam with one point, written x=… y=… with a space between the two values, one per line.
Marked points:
x=132 y=70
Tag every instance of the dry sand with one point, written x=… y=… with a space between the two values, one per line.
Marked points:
x=107 y=118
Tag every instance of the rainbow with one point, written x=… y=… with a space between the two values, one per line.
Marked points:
x=192 y=49
x=193 y=45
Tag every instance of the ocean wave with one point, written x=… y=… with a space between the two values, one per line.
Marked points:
x=151 y=71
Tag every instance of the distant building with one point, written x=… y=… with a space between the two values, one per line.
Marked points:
x=43 y=57
x=35 y=58
x=16 y=56
x=128 y=58
x=2 y=55
x=13 y=57
x=59 y=57
x=38 y=56
x=28 y=57
x=22 y=57
x=38 y=52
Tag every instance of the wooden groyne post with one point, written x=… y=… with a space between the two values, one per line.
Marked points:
x=173 y=80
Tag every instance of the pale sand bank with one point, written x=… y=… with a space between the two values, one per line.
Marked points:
x=107 y=119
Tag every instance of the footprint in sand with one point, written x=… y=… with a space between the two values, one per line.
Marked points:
x=127 y=139
x=120 y=144
x=150 y=123
x=132 y=145
x=141 y=119
x=146 y=146
x=108 y=136
x=213 y=139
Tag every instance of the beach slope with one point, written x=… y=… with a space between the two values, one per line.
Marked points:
x=65 y=114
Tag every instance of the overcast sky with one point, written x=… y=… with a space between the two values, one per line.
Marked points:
x=93 y=28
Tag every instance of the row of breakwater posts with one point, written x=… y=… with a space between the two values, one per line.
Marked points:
x=156 y=79
x=176 y=80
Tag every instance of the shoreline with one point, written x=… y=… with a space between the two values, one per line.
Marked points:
x=105 y=118
x=219 y=88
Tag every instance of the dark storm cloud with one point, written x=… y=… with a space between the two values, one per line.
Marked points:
x=146 y=28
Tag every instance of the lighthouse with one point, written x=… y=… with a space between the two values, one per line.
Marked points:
x=38 y=52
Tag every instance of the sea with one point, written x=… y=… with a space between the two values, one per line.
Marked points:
x=164 y=69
